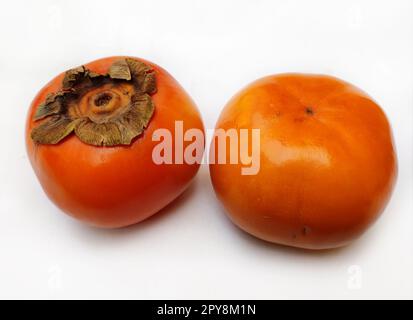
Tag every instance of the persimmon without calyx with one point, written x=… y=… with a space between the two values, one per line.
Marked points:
x=327 y=161
x=89 y=139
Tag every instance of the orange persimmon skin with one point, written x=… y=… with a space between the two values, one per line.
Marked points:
x=327 y=161
x=117 y=186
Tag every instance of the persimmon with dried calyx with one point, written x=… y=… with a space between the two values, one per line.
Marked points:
x=89 y=139
x=327 y=161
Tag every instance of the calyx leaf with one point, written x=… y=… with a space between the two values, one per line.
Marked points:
x=52 y=105
x=73 y=76
x=53 y=130
x=120 y=70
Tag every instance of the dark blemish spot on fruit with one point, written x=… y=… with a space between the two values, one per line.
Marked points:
x=309 y=111
x=305 y=230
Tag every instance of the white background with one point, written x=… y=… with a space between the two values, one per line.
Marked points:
x=213 y=48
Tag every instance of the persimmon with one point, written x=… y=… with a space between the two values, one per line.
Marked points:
x=89 y=139
x=327 y=161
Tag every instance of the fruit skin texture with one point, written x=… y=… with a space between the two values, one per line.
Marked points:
x=328 y=164
x=117 y=186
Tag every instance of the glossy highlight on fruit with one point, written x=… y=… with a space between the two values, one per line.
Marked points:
x=89 y=140
x=327 y=161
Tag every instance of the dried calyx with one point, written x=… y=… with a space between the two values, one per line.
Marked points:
x=101 y=109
